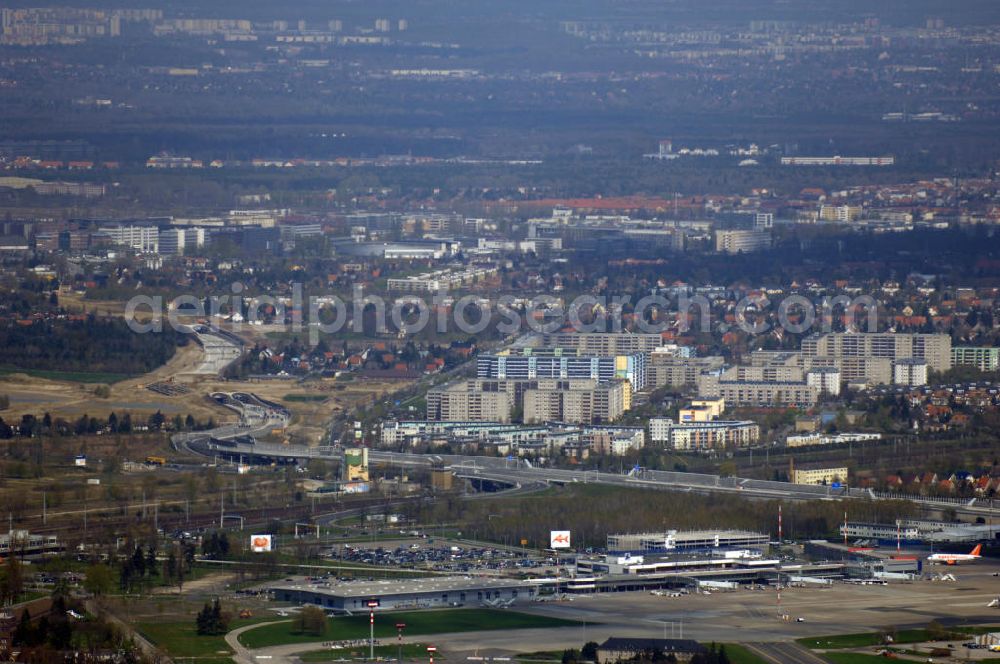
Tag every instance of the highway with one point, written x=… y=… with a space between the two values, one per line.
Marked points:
x=520 y=473
x=784 y=653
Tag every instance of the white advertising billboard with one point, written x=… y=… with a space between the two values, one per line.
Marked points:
x=559 y=539
x=260 y=543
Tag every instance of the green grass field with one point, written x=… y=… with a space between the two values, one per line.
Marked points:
x=417 y=623
x=873 y=638
x=180 y=639
x=740 y=655
x=71 y=376
x=541 y=656
x=303 y=397
x=853 y=658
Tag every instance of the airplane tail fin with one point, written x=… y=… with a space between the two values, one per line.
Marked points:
x=979 y=547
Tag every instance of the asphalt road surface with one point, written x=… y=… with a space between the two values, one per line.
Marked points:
x=742 y=616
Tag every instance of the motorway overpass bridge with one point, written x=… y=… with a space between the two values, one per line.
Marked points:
x=518 y=472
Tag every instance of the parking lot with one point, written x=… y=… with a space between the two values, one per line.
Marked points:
x=444 y=556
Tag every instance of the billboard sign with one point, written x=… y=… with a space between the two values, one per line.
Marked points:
x=559 y=539
x=260 y=543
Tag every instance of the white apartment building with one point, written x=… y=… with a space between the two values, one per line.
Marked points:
x=741 y=241
x=441 y=280
x=700 y=436
x=911 y=372
x=140 y=238
x=935 y=349
x=824 y=379
x=809 y=439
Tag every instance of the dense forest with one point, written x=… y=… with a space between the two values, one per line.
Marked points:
x=89 y=345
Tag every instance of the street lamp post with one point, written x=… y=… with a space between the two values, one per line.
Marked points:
x=399 y=641
x=372 y=603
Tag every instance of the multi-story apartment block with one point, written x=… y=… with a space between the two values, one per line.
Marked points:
x=818 y=474
x=935 y=349
x=911 y=372
x=141 y=238
x=824 y=379
x=754 y=392
x=983 y=358
x=577 y=402
x=680 y=371
x=717 y=434
x=463 y=402
x=554 y=364
x=603 y=343
x=741 y=241
x=838 y=161
x=56 y=25
x=839 y=213
x=441 y=280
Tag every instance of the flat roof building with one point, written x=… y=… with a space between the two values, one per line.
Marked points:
x=577 y=401
x=911 y=372
x=935 y=349
x=762 y=393
x=468 y=401
x=984 y=358
x=817 y=474
x=701 y=436
x=618 y=649
x=741 y=241
x=603 y=343
x=665 y=371
x=880 y=531
x=692 y=540
x=422 y=593
x=532 y=364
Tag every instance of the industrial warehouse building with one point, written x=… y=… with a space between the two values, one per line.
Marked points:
x=354 y=596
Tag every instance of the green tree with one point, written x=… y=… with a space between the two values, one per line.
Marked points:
x=727 y=468
x=211 y=620
x=570 y=655
x=937 y=632
x=311 y=620
x=99 y=579
x=170 y=567
x=12 y=581
x=24 y=634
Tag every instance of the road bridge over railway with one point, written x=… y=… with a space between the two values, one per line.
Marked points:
x=519 y=472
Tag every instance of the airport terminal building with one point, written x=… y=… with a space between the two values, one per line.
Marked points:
x=423 y=593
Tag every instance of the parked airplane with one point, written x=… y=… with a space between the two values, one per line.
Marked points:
x=955 y=558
